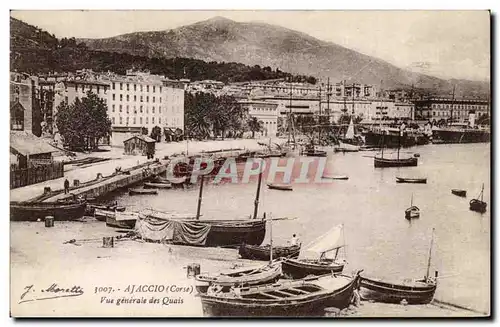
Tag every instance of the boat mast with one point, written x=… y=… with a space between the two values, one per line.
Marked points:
x=290 y=113
x=411 y=201
x=319 y=117
x=200 y=195
x=399 y=140
x=271 y=238
x=256 y=203
x=482 y=190
x=430 y=253
x=452 y=104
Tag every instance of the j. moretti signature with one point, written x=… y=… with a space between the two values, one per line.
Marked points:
x=54 y=291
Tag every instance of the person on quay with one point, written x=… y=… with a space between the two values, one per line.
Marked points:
x=66 y=186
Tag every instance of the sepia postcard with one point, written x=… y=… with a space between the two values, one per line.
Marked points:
x=329 y=164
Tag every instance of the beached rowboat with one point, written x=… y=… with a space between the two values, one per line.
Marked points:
x=281 y=187
x=24 y=211
x=240 y=277
x=461 y=193
x=304 y=297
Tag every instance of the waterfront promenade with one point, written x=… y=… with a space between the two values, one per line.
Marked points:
x=118 y=159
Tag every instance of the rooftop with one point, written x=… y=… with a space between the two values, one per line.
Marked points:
x=27 y=144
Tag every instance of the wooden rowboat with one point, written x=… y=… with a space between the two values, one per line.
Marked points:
x=123 y=220
x=388 y=162
x=157 y=185
x=414 y=292
x=281 y=187
x=294 y=268
x=256 y=252
x=240 y=277
x=458 y=192
x=304 y=297
x=28 y=211
x=412 y=212
x=138 y=191
x=411 y=180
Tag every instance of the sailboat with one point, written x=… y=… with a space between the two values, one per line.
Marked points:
x=349 y=135
x=413 y=211
x=209 y=233
x=419 y=291
x=381 y=162
x=478 y=205
x=313 y=259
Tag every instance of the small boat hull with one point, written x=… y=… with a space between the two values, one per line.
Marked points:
x=386 y=162
x=380 y=291
x=157 y=185
x=121 y=224
x=293 y=268
x=291 y=298
x=412 y=213
x=236 y=234
x=142 y=192
x=254 y=252
x=457 y=192
x=21 y=211
x=411 y=180
x=477 y=205
x=281 y=187
x=340 y=177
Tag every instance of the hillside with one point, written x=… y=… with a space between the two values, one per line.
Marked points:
x=36 y=51
x=224 y=40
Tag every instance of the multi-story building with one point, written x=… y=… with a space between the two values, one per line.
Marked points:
x=140 y=100
x=22 y=102
x=264 y=111
x=436 y=109
x=335 y=107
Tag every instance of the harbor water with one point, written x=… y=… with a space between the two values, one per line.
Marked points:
x=371 y=206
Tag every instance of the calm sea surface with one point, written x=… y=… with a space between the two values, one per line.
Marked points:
x=371 y=206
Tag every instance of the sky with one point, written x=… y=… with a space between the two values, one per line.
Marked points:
x=446 y=44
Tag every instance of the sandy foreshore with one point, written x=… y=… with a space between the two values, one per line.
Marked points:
x=39 y=258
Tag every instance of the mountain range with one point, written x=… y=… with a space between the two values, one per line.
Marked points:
x=251 y=43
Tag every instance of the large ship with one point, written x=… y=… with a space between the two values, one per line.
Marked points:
x=460 y=134
x=391 y=139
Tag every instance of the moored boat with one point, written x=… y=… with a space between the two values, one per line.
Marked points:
x=458 y=192
x=477 y=204
x=304 y=297
x=280 y=186
x=411 y=180
x=420 y=291
x=157 y=185
x=412 y=212
x=380 y=162
x=336 y=177
x=256 y=252
x=32 y=211
x=313 y=259
x=346 y=147
x=140 y=191
x=240 y=277
x=123 y=220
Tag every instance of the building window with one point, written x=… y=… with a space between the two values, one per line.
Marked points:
x=113 y=85
x=147 y=88
x=134 y=120
x=127 y=120
x=113 y=108
x=120 y=108
x=153 y=120
x=135 y=89
x=121 y=88
x=121 y=120
x=147 y=120
x=159 y=109
x=160 y=99
x=140 y=120
x=127 y=108
x=113 y=120
x=90 y=88
x=147 y=98
x=153 y=89
x=113 y=97
x=98 y=89
x=141 y=98
x=135 y=98
x=121 y=97
x=17 y=118
x=153 y=109
x=160 y=89
x=140 y=109
x=141 y=88
x=127 y=87
x=159 y=120
x=128 y=99
x=153 y=99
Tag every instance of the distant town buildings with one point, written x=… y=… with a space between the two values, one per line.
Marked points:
x=264 y=111
x=459 y=110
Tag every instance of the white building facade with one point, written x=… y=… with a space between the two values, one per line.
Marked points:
x=264 y=111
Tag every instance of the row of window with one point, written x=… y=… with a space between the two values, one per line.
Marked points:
x=90 y=88
x=447 y=113
x=127 y=85
x=134 y=120
x=456 y=106
x=127 y=108
x=141 y=99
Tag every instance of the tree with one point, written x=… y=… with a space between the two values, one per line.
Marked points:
x=156 y=133
x=144 y=130
x=84 y=122
x=255 y=125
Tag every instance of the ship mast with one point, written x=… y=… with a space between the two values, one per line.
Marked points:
x=430 y=253
x=256 y=203
x=452 y=104
x=290 y=113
